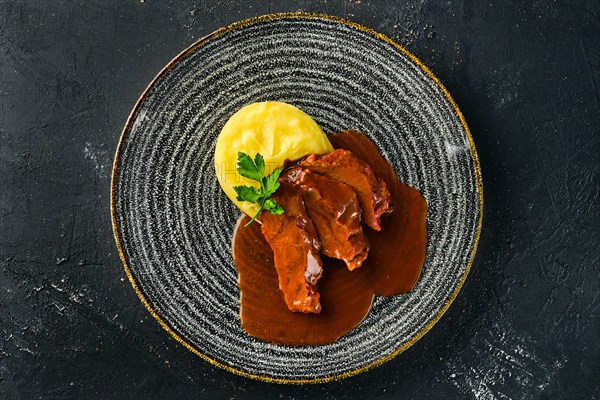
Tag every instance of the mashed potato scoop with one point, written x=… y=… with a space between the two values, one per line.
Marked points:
x=278 y=131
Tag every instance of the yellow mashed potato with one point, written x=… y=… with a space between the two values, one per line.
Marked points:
x=278 y=131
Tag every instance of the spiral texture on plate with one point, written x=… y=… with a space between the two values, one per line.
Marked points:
x=174 y=225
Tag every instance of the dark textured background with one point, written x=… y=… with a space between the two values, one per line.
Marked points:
x=526 y=74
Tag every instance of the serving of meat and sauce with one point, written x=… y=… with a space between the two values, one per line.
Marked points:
x=333 y=227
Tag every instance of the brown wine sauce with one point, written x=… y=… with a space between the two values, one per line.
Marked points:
x=396 y=256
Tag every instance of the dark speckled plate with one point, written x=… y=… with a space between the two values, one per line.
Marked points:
x=173 y=224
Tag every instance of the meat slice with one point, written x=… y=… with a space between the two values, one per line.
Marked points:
x=295 y=244
x=345 y=167
x=336 y=213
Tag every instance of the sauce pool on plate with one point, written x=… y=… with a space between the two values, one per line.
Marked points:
x=393 y=266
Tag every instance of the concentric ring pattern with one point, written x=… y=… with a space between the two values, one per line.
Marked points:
x=174 y=225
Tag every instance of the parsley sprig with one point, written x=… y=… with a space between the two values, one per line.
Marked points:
x=254 y=170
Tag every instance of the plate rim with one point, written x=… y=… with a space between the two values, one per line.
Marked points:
x=133 y=115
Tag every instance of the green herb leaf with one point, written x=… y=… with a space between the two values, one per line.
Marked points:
x=247 y=193
x=250 y=169
x=272 y=206
x=254 y=170
x=271 y=182
x=259 y=161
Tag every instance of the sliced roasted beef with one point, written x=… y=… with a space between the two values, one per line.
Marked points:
x=336 y=213
x=295 y=244
x=343 y=166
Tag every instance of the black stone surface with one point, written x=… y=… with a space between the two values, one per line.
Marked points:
x=526 y=324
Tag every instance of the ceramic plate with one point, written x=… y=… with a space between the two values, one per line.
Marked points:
x=173 y=224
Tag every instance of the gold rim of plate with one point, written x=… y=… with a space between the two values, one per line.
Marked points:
x=127 y=128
